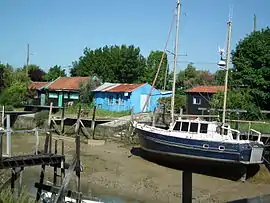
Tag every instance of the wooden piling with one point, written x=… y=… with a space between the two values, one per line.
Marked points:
x=62 y=129
x=78 y=165
x=63 y=163
x=13 y=178
x=187 y=187
x=154 y=118
x=93 y=122
x=55 y=167
x=20 y=182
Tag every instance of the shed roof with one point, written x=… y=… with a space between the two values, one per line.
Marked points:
x=117 y=87
x=68 y=83
x=37 y=85
x=206 y=89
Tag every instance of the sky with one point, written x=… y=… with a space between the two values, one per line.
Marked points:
x=58 y=31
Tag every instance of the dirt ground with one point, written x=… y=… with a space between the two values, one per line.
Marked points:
x=119 y=170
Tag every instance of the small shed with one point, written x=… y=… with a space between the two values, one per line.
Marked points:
x=122 y=97
x=199 y=97
x=39 y=97
x=65 y=90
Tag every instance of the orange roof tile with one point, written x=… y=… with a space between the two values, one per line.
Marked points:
x=37 y=85
x=68 y=83
x=206 y=89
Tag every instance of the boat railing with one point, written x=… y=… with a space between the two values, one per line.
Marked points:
x=258 y=133
x=232 y=130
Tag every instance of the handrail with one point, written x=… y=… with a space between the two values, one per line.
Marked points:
x=259 y=134
x=233 y=130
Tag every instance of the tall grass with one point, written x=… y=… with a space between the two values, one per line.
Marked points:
x=99 y=112
x=6 y=196
x=261 y=127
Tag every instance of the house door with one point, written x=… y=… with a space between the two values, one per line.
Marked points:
x=60 y=99
x=42 y=99
x=143 y=100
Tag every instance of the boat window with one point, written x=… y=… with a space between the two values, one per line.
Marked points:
x=193 y=127
x=177 y=126
x=203 y=128
x=184 y=126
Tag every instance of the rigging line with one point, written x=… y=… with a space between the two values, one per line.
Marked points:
x=161 y=60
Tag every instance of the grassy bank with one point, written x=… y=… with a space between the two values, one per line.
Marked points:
x=6 y=196
x=261 y=127
x=99 y=112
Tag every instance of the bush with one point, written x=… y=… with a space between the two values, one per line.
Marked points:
x=7 y=196
x=41 y=117
x=179 y=102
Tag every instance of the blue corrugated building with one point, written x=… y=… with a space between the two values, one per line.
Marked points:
x=122 y=97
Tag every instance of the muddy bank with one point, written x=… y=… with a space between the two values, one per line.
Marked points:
x=112 y=169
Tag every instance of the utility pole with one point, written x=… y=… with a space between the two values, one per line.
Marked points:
x=165 y=77
x=227 y=72
x=254 y=23
x=27 y=60
x=175 y=60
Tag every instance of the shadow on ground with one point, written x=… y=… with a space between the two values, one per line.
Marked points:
x=221 y=170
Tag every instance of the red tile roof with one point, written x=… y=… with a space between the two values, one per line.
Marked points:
x=124 y=88
x=206 y=89
x=37 y=85
x=68 y=83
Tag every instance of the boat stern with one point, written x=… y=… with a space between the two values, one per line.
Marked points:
x=252 y=153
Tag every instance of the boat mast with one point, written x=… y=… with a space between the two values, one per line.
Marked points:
x=227 y=72
x=175 y=60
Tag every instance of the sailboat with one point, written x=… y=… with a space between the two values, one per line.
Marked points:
x=196 y=138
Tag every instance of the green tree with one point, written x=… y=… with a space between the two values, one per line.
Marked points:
x=251 y=68
x=55 y=72
x=86 y=94
x=180 y=102
x=34 y=72
x=237 y=99
x=152 y=64
x=15 y=87
x=122 y=64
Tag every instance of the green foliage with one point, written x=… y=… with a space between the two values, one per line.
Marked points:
x=122 y=64
x=41 y=117
x=179 y=102
x=99 y=112
x=251 y=61
x=6 y=196
x=34 y=72
x=86 y=94
x=237 y=99
x=54 y=72
x=190 y=77
x=152 y=63
x=15 y=87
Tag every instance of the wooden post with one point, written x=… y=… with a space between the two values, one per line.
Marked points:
x=237 y=123
x=63 y=120
x=154 y=118
x=13 y=178
x=187 y=187
x=78 y=164
x=63 y=163
x=77 y=125
x=244 y=173
x=55 y=167
x=41 y=180
x=8 y=136
x=20 y=182
x=93 y=122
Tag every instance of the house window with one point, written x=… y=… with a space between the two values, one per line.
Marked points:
x=117 y=99
x=66 y=95
x=196 y=100
x=53 y=95
x=74 y=96
x=110 y=100
x=121 y=100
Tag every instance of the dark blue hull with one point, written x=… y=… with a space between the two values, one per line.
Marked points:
x=196 y=149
